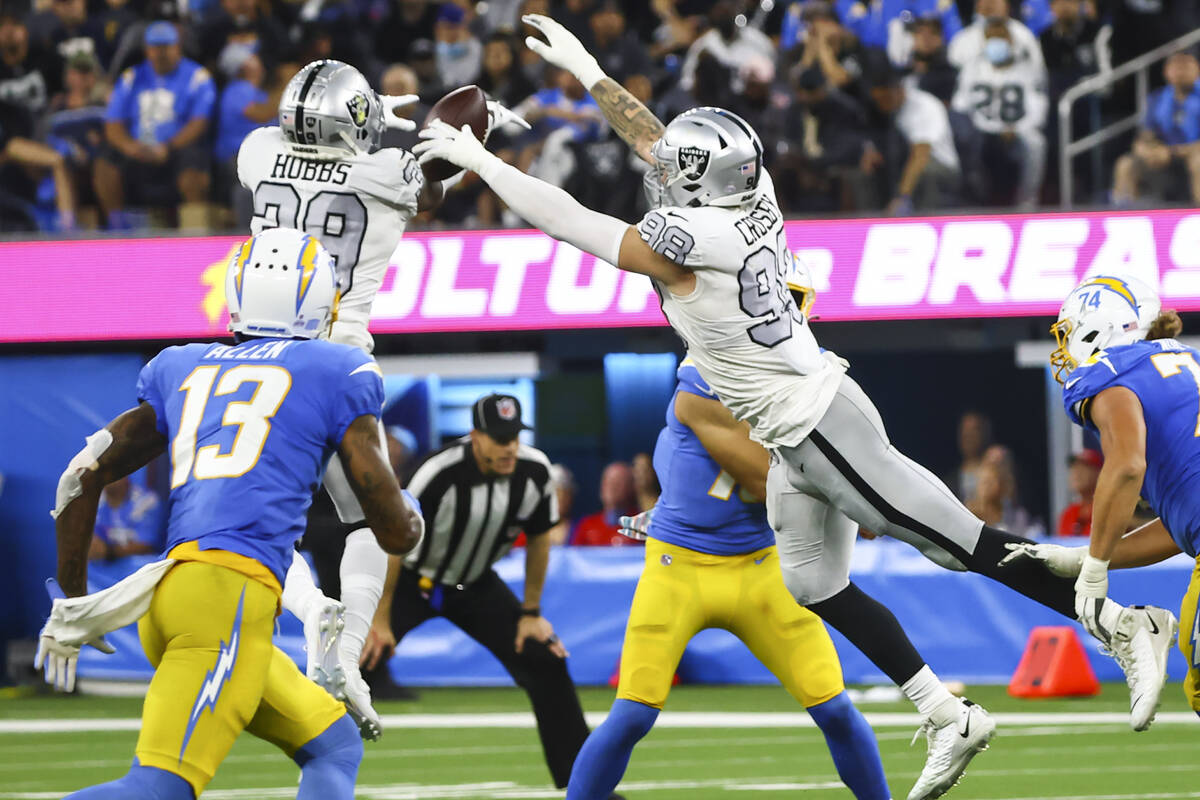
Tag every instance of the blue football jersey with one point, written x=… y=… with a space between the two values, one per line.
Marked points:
x=250 y=428
x=1165 y=376
x=701 y=507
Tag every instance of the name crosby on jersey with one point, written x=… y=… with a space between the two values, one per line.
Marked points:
x=291 y=167
x=759 y=222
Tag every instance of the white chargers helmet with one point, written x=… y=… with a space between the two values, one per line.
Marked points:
x=705 y=157
x=281 y=283
x=329 y=111
x=1101 y=312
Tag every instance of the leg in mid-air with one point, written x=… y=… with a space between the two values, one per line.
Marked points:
x=849 y=461
x=335 y=631
x=815 y=543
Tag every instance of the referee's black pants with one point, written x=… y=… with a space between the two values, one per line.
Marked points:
x=488 y=612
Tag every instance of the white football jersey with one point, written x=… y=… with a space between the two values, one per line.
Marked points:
x=741 y=327
x=357 y=207
x=1003 y=98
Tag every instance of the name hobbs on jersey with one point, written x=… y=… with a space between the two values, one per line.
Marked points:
x=290 y=167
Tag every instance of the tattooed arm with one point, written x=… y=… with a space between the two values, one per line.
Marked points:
x=135 y=441
x=632 y=121
x=397 y=526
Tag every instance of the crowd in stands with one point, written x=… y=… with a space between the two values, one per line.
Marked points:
x=864 y=106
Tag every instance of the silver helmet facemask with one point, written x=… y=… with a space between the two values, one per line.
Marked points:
x=705 y=157
x=329 y=111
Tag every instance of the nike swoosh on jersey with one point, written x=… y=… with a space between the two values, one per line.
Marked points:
x=370 y=366
x=1070 y=383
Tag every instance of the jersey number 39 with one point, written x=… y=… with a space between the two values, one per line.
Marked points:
x=251 y=417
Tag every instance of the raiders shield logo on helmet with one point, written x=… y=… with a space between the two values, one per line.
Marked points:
x=693 y=162
x=358 y=106
x=506 y=408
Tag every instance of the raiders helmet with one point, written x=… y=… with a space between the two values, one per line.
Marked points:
x=329 y=111
x=705 y=157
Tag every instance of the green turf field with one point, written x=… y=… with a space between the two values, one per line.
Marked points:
x=1056 y=754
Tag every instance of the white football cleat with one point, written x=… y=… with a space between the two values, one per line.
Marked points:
x=322 y=634
x=1144 y=637
x=358 y=705
x=951 y=748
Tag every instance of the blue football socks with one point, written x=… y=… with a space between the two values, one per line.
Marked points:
x=140 y=783
x=605 y=755
x=329 y=763
x=853 y=747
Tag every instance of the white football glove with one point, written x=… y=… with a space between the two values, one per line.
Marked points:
x=562 y=49
x=1064 y=562
x=637 y=527
x=390 y=103
x=499 y=116
x=59 y=660
x=460 y=147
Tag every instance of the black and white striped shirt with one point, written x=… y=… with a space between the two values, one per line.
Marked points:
x=471 y=519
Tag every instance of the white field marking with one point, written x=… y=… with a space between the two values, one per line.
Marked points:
x=502 y=790
x=668 y=719
x=17 y=766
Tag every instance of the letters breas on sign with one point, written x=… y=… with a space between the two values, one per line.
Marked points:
x=930 y=267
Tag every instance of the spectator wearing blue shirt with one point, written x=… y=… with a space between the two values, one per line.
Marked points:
x=883 y=23
x=245 y=105
x=1164 y=164
x=128 y=522
x=155 y=127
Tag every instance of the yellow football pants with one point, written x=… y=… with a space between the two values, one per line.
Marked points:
x=682 y=592
x=1187 y=638
x=217 y=673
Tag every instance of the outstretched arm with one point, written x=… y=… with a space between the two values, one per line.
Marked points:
x=135 y=440
x=552 y=210
x=627 y=115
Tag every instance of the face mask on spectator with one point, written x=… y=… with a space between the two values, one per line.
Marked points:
x=997 y=51
x=451 y=50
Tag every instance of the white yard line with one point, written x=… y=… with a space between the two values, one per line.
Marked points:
x=506 y=790
x=668 y=719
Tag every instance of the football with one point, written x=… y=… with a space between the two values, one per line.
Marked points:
x=464 y=106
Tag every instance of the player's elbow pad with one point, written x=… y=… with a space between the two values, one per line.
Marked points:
x=70 y=483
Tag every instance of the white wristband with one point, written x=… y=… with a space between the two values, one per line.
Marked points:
x=1093 y=577
x=590 y=74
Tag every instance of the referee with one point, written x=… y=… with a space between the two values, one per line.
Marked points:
x=477 y=495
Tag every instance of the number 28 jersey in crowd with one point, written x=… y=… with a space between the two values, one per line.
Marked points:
x=701 y=507
x=357 y=207
x=1165 y=376
x=741 y=327
x=249 y=430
